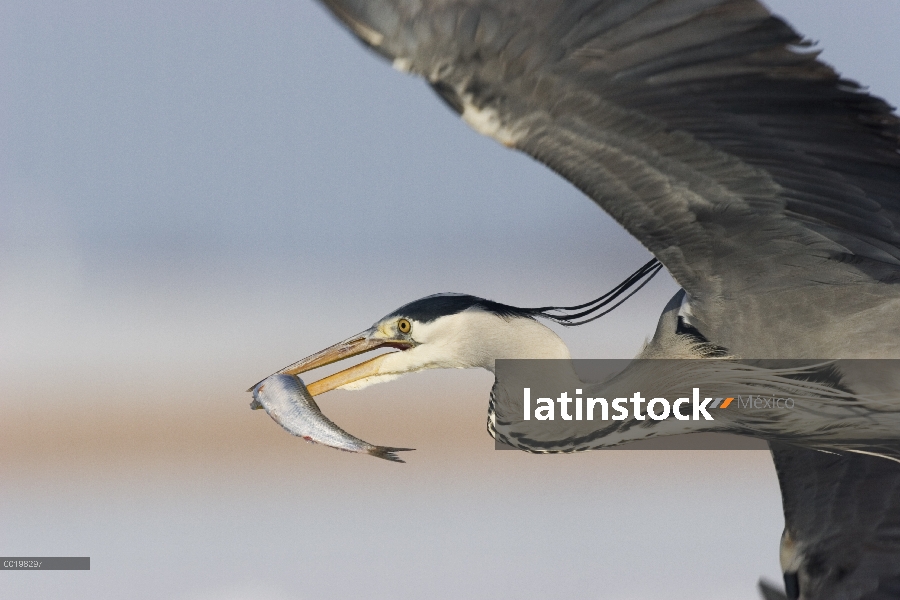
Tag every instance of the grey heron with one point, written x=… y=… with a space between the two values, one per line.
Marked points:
x=767 y=185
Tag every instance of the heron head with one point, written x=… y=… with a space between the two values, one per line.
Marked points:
x=443 y=331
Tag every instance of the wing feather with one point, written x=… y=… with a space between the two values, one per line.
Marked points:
x=708 y=128
x=842 y=523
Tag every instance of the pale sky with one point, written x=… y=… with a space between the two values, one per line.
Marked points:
x=195 y=193
x=212 y=169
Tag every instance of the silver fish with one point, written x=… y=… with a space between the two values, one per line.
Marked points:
x=286 y=399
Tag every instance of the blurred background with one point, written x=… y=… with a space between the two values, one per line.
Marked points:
x=194 y=194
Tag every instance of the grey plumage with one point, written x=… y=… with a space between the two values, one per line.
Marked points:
x=842 y=521
x=767 y=185
x=770 y=592
x=706 y=128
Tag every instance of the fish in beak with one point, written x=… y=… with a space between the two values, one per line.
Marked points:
x=371 y=339
x=287 y=401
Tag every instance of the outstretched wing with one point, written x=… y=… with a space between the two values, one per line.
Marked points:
x=842 y=524
x=711 y=132
x=707 y=128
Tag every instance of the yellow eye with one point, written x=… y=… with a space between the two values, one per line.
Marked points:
x=404 y=326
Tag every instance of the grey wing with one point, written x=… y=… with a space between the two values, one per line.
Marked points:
x=842 y=524
x=707 y=128
x=770 y=592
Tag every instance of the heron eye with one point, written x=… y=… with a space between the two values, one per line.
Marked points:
x=404 y=326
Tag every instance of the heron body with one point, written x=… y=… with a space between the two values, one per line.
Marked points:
x=766 y=184
x=754 y=173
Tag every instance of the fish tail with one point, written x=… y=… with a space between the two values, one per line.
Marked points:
x=387 y=453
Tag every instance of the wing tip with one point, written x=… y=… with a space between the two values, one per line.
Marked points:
x=769 y=591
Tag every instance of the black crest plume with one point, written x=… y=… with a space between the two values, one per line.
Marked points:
x=570 y=316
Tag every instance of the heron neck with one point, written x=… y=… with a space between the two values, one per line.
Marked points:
x=520 y=339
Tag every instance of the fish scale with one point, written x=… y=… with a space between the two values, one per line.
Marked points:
x=286 y=399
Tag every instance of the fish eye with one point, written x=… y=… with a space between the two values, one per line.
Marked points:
x=404 y=326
